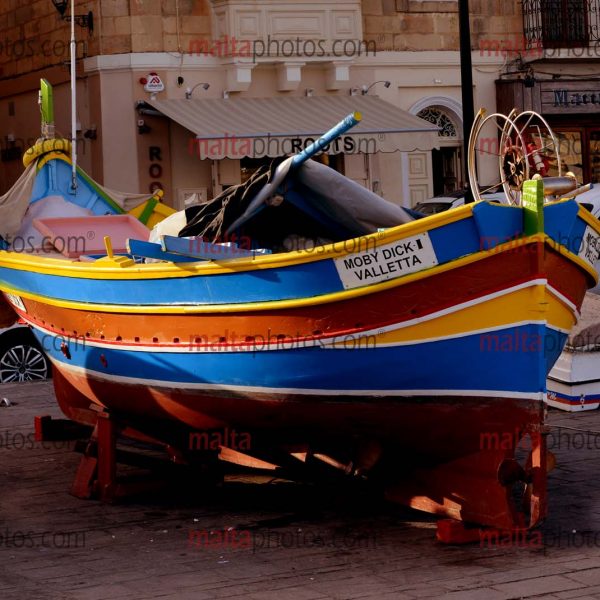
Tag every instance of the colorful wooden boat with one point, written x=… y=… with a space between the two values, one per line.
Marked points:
x=415 y=355
x=400 y=341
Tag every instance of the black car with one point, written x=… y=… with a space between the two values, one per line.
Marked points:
x=21 y=356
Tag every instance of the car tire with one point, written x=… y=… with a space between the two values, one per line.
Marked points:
x=21 y=358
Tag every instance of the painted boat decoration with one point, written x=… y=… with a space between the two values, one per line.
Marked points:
x=573 y=383
x=385 y=354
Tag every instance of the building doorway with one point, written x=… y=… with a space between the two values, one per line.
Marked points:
x=446 y=169
x=447 y=162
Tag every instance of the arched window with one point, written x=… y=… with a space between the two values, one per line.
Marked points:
x=447 y=129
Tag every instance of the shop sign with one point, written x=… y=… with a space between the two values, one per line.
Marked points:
x=154 y=84
x=570 y=97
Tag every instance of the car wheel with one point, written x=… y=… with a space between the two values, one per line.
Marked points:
x=22 y=360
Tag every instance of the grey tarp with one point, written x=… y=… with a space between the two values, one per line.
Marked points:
x=316 y=197
x=348 y=203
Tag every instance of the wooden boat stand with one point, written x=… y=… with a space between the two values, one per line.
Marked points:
x=97 y=472
x=97 y=476
x=472 y=489
x=47 y=429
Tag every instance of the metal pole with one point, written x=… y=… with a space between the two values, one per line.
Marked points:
x=73 y=101
x=466 y=72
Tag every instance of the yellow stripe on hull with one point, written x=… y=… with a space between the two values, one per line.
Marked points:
x=505 y=311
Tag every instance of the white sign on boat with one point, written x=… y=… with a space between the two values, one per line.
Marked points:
x=590 y=246
x=385 y=262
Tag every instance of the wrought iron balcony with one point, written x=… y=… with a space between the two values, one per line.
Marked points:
x=561 y=23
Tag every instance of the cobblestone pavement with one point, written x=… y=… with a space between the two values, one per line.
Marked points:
x=274 y=539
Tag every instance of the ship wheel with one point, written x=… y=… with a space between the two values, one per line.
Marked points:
x=498 y=136
x=541 y=144
x=526 y=145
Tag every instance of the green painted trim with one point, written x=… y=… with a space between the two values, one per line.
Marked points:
x=148 y=210
x=47 y=102
x=533 y=206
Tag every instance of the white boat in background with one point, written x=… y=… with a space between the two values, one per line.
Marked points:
x=574 y=381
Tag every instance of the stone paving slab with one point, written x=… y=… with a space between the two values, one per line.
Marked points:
x=304 y=542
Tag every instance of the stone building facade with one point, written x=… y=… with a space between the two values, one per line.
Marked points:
x=227 y=50
x=556 y=72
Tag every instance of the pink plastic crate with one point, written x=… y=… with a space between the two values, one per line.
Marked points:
x=73 y=236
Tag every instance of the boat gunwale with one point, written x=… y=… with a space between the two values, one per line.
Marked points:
x=99 y=270
x=331 y=297
x=135 y=271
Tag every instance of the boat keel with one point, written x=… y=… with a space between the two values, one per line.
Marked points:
x=489 y=487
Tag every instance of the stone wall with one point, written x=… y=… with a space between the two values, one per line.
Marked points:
x=433 y=25
x=151 y=25
x=34 y=37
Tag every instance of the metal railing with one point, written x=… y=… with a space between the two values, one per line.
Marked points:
x=561 y=23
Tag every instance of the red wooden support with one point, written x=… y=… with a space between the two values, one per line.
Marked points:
x=83 y=484
x=41 y=425
x=107 y=457
x=97 y=471
x=450 y=531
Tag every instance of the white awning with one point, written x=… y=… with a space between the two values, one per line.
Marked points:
x=256 y=127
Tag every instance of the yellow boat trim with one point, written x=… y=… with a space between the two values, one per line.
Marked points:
x=588 y=217
x=52 y=156
x=133 y=271
x=54 y=145
x=96 y=270
x=295 y=302
x=498 y=312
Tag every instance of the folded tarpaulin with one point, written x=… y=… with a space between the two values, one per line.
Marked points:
x=318 y=202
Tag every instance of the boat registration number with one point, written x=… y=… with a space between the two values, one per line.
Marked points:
x=15 y=301
x=590 y=246
x=388 y=261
